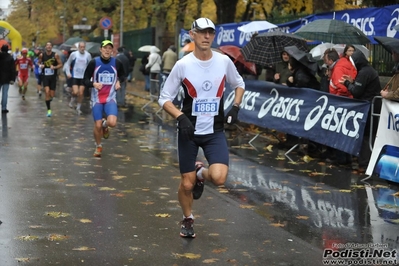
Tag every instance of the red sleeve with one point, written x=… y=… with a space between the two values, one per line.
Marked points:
x=338 y=71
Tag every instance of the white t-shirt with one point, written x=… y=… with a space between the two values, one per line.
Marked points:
x=203 y=83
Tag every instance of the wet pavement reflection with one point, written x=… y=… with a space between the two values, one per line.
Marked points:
x=319 y=202
x=60 y=205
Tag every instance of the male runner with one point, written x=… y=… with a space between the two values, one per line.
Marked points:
x=104 y=74
x=78 y=61
x=23 y=64
x=49 y=61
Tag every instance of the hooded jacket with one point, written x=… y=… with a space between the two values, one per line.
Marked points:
x=367 y=83
x=154 y=60
x=7 y=68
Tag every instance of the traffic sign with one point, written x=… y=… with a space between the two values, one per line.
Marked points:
x=106 y=23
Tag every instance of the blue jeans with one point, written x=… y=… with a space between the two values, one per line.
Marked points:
x=120 y=94
x=4 y=95
x=147 y=83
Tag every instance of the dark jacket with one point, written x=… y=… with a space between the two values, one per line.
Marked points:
x=125 y=62
x=7 y=68
x=367 y=82
x=304 y=79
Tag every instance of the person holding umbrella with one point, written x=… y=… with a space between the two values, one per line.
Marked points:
x=202 y=74
x=303 y=69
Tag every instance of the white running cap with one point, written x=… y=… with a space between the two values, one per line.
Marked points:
x=202 y=23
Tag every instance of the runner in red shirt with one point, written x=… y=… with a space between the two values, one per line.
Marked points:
x=23 y=63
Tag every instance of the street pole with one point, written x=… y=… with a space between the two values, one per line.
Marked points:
x=121 y=26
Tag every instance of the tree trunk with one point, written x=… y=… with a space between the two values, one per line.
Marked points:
x=323 y=6
x=181 y=9
x=199 y=9
x=225 y=11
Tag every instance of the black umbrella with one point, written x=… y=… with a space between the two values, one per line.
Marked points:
x=389 y=44
x=266 y=48
x=333 y=31
x=306 y=59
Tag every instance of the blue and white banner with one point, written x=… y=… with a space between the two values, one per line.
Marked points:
x=384 y=160
x=372 y=21
x=325 y=118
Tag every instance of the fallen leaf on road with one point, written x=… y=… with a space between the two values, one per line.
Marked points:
x=106 y=188
x=85 y=221
x=277 y=225
x=269 y=148
x=218 y=220
x=208 y=261
x=267 y=204
x=57 y=214
x=84 y=249
x=147 y=202
x=163 y=215
x=27 y=238
x=345 y=190
x=57 y=237
x=219 y=250
x=246 y=206
x=118 y=195
x=89 y=185
x=187 y=255
x=118 y=177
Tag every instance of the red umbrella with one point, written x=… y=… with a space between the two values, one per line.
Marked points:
x=235 y=53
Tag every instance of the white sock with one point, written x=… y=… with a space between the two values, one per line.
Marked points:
x=191 y=216
x=105 y=123
x=199 y=173
x=99 y=145
x=78 y=106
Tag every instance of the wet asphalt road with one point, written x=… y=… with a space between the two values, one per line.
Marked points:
x=61 y=206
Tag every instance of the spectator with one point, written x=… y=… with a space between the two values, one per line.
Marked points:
x=132 y=60
x=145 y=72
x=154 y=64
x=388 y=92
x=7 y=75
x=281 y=69
x=182 y=53
x=169 y=59
x=301 y=76
x=121 y=93
x=365 y=86
x=340 y=67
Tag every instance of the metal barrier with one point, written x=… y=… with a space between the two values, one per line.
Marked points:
x=373 y=114
x=155 y=90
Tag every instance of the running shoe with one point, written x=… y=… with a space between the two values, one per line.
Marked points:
x=187 y=229
x=40 y=94
x=199 y=184
x=98 y=151
x=49 y=113
x=23 y=97
x=105 y=131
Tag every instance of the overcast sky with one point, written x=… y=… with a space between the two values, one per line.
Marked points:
x=4 y=3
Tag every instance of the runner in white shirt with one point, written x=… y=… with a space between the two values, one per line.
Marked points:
x=202 y=74
x=78 y=62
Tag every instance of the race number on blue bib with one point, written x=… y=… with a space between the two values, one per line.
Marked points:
x=106 y=78
x=206 y=106
x=48 y=71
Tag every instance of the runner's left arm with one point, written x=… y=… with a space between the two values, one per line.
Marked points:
x=59 y=63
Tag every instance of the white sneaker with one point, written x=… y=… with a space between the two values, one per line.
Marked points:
x=78 y=112
x=71 y=103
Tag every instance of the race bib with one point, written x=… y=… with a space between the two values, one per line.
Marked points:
x=106 y=78
x=79 y=72
x=205 y=106
x=48 y=71
x=23 y=66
